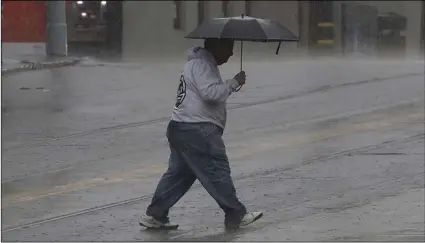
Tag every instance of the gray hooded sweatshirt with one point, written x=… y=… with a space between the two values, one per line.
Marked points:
x=202 y=94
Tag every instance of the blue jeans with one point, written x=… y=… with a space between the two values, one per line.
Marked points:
x=197 y=152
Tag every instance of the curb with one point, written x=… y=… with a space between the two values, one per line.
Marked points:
x=28 y=66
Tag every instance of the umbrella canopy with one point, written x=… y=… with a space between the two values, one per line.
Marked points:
x=243 y=28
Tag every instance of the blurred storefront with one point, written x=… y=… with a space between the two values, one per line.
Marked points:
x=381 y=28
x=371 y=28
x=136 y=28
x=86 y=21
x=157 y=28
x=94 y=26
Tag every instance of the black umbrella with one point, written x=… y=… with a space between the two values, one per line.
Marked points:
x=243 y=28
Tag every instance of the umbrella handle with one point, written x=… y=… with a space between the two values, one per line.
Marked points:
x=240 y=87
x=241 y=53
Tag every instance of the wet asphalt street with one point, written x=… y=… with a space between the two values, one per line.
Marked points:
x=328 y=150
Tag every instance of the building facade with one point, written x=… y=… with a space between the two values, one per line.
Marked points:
x=157 y=28
x=89 y=23
x=138 y=29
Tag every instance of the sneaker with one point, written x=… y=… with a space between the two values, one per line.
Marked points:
x=247 y=219
x=151 y=223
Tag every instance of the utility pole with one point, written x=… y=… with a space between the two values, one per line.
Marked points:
x=57 y=37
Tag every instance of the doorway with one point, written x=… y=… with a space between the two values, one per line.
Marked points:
x=95 y=28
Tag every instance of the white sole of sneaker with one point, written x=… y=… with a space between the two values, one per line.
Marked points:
x=234 y=227
x=159 y=227
x=255 y=219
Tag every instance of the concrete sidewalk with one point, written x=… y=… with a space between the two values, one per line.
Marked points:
x=17 y=64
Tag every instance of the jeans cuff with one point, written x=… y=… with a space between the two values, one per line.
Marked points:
x=236 y=217
x=153 y=212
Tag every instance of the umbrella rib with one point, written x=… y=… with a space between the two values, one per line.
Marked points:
x=262 y=29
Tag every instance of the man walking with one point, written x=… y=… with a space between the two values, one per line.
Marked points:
x=195 y=138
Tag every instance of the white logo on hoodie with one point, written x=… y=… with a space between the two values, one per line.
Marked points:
x=181 y=92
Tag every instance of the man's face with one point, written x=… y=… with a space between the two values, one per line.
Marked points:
x=225 y=51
